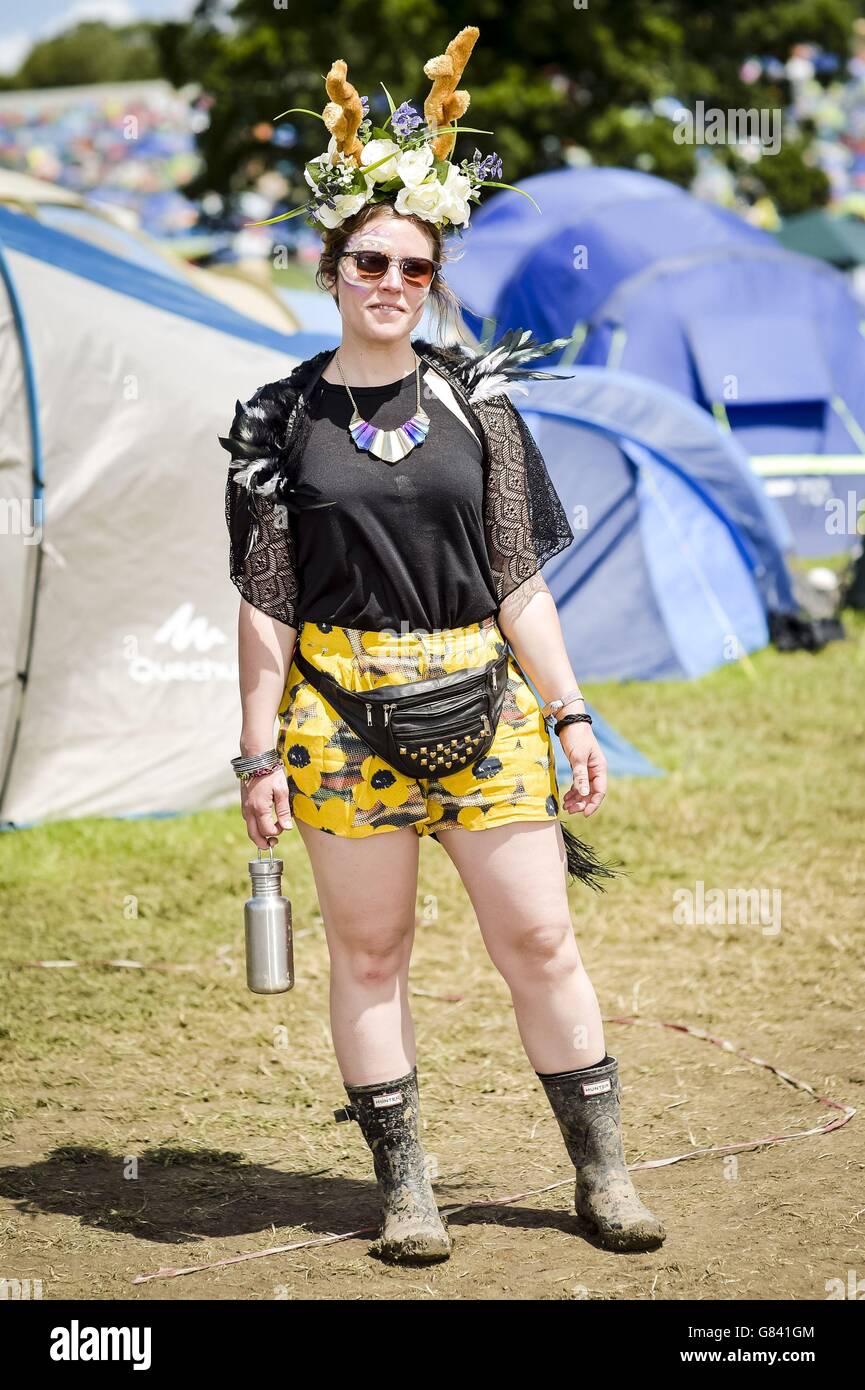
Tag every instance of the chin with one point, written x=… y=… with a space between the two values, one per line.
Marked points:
x=395 y=328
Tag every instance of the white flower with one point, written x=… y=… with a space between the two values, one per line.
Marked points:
x=375 y=150
x=321 y=159
x=457 y=187
x=428 y=201
x=347 y=204
x=413 y=166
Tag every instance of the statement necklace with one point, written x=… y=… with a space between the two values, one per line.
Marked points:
x=390 y=445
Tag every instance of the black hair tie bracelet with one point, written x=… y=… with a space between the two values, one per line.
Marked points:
x=571 y=719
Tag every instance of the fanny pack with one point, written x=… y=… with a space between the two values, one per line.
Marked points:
x=423 y=728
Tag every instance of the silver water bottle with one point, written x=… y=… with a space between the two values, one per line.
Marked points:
x=267 y=917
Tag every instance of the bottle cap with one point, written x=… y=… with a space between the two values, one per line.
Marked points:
x=260 y=868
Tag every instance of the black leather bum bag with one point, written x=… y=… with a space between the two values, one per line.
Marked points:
x=423 y=728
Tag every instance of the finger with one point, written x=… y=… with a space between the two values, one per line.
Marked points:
x=582 y=785
x=282 y=807
x=255 y=836
x=599 y=776
x=258 y=813
x=267 y=826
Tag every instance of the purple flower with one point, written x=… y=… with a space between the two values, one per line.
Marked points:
x=405 y=120
x=364 y=107
x=488 y=167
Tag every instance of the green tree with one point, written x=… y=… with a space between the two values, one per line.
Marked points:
x=91 y=52
x=543 y=76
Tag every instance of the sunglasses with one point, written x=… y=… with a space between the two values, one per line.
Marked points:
x=371 y=266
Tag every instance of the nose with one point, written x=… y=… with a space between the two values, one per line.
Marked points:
x=392 y=280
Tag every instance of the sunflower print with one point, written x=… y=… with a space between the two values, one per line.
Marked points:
x=339 y=784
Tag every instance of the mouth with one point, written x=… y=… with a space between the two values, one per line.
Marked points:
x=386 y=309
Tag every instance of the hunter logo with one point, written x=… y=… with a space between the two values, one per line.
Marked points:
x=596 y=1088
x=390 y=1098
x=181 y=632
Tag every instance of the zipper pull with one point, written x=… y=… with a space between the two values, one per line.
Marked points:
x=387 y=710
x=495 y=680
x=368 y=711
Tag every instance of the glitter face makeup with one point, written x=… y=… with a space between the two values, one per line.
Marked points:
x=371 y=274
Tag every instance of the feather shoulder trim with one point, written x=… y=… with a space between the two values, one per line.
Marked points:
x=261 y=432
x=498 y=370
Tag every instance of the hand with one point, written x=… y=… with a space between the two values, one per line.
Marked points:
x=266 y=808
x=589 y=768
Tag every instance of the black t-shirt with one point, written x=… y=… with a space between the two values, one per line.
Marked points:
x=404 y=547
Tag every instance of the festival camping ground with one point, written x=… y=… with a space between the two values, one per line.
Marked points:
x=161 y=1116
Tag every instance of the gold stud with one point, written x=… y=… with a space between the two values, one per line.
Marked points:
x=403 y=750
x=448 y=764
x=439 y=745
x=412 y=755
x=423 y=748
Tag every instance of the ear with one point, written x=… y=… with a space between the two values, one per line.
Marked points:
x=333 y=290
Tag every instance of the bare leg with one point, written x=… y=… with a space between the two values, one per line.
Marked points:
x=367 y=891
x=515 y=877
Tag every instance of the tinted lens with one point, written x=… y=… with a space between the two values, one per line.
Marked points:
x=417 y=270
x=371 y=265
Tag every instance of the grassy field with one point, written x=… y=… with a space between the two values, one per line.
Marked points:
x=166 y=1117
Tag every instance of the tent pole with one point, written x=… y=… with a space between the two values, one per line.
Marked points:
x=854 y=429
x=10 y=735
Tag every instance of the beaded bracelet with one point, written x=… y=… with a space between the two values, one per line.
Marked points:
x=257 y=772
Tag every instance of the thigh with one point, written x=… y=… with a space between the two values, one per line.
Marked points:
x=515 y=877
x=337 y=783
x=367 y=888
x=515 y=780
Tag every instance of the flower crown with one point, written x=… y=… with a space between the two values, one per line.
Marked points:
x=407 y=166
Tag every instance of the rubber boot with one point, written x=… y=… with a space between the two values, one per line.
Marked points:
x=586 y=1104
x=388 y=1113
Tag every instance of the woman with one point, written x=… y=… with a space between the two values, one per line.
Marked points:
x=408 y=556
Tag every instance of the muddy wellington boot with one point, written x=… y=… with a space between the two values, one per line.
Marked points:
x=388 y=1113
x=586 y=1104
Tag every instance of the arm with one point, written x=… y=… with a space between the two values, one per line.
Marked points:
x=526 y=526
x=528 y=617
x=265 y=647
x=263 y=567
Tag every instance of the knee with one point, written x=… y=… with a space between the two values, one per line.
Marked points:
x=547 y=949
x=374 y=955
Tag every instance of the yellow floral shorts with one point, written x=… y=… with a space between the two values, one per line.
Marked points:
x=338 y=783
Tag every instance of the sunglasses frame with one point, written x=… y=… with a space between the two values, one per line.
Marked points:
x=400 y=260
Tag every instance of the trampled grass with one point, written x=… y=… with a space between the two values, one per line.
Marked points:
x=165 y=1115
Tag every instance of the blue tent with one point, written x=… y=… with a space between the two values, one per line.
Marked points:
x=770 y=342
x=678 y=557
x=647 y=278
x=549 y=272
